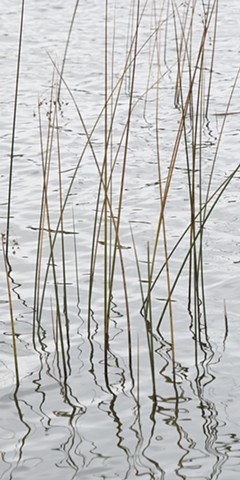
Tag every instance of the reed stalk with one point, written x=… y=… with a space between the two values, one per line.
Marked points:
x=20 y=39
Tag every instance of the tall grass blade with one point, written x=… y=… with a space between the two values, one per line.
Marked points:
x=14 y=130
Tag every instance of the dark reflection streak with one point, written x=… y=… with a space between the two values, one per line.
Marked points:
x=58 y=363
x=79 y=349
x=137 y=430
x=181 y=434
x=23 y=439
x=210 y=430
x=204 y=346
x=139 y=436
x=37 y=382
x=65 y=388
x=16 y=287
x=136 y=427
x=68 y=446
x=119 y=429
x=68 y=359
x=207 y=377
x=12 y=281
x=91 y=341
x=164 y=351
x=112 y=404
x=226 y=325
x=130 y=369
x=209 y=132
x=8 y=464
x=77 y=409
x=56 y=356
x=151 y=460
x=208 y=408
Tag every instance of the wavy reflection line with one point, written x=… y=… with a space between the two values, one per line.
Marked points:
x=209 y=411
x=111 y=409
x=72 y=443
x=164 y=351
x=76 y=411
x=149 y=441
x=16 y=286
x=22 y=440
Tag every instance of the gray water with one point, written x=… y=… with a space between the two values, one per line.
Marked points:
x=70 y=425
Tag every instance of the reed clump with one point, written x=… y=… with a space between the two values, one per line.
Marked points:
x=144 y=236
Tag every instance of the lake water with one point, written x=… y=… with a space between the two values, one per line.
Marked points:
x=74 y=415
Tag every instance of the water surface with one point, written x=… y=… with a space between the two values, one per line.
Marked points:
x=65 y=421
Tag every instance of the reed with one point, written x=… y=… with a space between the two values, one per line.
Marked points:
x=20 y=39
x=121 y=97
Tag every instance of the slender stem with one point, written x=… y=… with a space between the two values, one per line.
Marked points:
x=14 y=132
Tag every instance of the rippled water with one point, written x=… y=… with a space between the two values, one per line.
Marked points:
x=69 y=423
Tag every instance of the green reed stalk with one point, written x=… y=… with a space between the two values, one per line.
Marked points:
x=128 y=122
x=212 y=60
x=215 y=196
x=66 y=49
x=194 y=262
x=37 y=280
x=128 y=64
x=151 y=53
x=166 y=35
x=130 y=36
x=105 y=171
x=182 y=51
x=185 y=41
x=96 y=232
x=118 y=85
x=177 y=141
x=138 y=371
x=46 y=165
x=51 y=246
x=150 y=328
x=111 y=141
x=65 y=309
x=14 y=130
x=161 y=203
x=200 y=257
x=45 y=175
x=76 y=260
x=147 y=313
x=88 y=143
x=218 y=193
